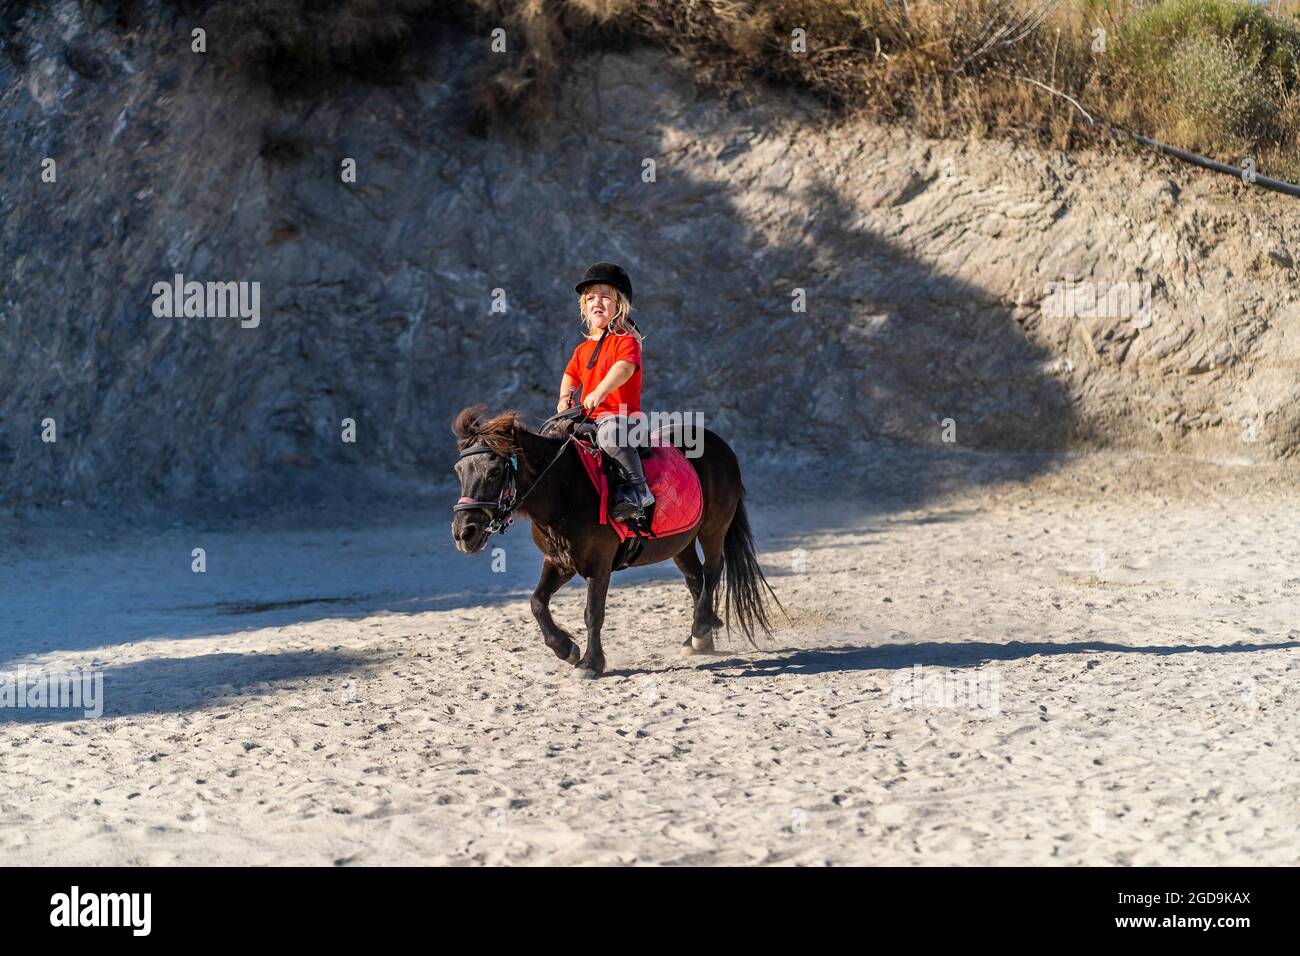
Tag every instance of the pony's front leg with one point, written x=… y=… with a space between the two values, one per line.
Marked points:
x=557 y=638
x=593 y=661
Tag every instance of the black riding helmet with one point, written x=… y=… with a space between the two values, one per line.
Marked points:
x=610 y=273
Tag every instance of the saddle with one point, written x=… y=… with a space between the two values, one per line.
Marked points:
x=679 y=500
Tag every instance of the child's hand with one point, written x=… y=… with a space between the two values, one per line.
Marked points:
x=563 y=404
x=589 y=402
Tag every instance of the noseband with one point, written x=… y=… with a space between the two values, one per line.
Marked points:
x=499 y=511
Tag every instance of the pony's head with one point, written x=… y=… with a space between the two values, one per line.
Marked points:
x=486 y=477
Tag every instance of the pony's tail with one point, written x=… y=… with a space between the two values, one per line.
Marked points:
x=742 y=574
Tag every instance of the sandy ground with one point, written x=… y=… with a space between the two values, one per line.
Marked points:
x=996 y=661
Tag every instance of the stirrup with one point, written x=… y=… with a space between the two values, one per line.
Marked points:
x=632 y=508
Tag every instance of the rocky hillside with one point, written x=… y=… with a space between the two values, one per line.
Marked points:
x=924 y=267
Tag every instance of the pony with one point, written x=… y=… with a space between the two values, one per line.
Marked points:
x=504 y=468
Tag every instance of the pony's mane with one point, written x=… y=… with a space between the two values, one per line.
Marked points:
x=497 y=433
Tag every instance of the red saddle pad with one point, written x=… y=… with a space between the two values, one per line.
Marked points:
x=679 y=501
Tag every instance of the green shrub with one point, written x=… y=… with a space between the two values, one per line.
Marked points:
x=1215 y=76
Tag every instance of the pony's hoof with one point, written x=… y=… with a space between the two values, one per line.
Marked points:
x=584 y=673
x=574 y=655
x=695 y=645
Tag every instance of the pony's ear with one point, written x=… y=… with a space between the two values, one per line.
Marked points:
x=468 y=422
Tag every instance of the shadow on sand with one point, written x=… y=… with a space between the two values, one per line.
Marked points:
x=178 y=684
x=934 y=654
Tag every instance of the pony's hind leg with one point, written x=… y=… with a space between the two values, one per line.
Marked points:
x=557 y=638
x=688 y=562
x=698 y=579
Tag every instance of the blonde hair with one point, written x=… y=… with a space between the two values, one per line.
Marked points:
x=621 y=324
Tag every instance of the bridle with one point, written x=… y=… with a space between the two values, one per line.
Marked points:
x=501 y=511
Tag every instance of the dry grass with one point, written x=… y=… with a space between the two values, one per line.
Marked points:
x=1221 y=77
x=1216 y=76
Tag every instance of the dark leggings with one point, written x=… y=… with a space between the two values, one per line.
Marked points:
x=606 y=433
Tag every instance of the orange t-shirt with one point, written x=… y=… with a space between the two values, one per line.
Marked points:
x=617 y=348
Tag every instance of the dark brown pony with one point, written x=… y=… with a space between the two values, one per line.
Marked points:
x=499 y=469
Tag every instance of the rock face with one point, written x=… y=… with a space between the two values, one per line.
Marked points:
x=924 y=268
